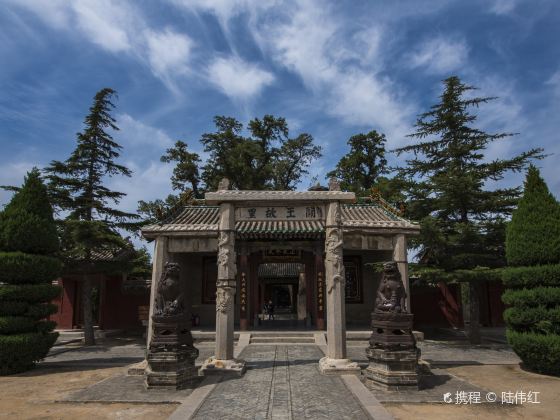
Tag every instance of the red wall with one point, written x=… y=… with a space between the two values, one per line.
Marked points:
x=116 y=309
x=64 y=318
x=437 y=306
x=120 y=311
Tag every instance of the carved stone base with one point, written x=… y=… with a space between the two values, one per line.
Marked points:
x=329 y=366
x=392 y=369
x=171 y=369
x=213 y=366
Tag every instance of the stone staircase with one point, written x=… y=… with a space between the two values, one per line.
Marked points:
x=279 y=338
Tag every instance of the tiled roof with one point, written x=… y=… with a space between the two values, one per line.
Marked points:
x=285 y=229
x=280 y=270
x=354 y=216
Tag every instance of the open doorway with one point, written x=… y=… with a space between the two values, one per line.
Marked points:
x=282 y=295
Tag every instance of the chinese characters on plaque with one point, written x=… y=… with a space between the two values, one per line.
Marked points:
x=280 y=213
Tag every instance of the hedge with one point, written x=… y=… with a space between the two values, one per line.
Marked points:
x=539 y=352
x=524 y=319
x=13 y=308
x=27 y=232
x=19 y=267
x=33 y=293
x=533 y=234
x=16 y=324
x=533 y=276
x=527 y=298
x=40 y=310
x=19 y=352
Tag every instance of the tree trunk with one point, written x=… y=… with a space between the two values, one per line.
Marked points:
x=474 y=309
x=89 y=338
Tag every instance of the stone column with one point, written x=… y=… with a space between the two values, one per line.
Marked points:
x=335 y=361
x=302 y=297
x=400 y=257
x=161 y=256
x=223 y=361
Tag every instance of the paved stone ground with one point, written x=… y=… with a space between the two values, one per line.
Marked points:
x=441 y=353
x=282 y=382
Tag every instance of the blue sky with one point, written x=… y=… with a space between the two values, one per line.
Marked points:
x=332 y=69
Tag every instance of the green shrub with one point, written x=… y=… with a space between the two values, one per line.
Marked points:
x=527 y=298
x=40 y=310
x=533 y=235
x=27 y=223
x=27 y=232
x=33 y=293
x=526 y=319
x=16 y=324
x=19 y=352
x=535 y=276
x=13 y=308
x=18 y=268
x=28 y=242
x=539 y=352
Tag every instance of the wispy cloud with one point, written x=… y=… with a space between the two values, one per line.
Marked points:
x=440 y=55
x=118 y=27
x=503 y=7
x=238 y=79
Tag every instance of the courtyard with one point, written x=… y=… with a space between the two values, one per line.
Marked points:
x=282 y=382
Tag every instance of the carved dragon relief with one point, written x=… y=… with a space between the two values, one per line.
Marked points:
x=224 y=299
x=333 y=246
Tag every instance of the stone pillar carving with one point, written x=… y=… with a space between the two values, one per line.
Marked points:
x=335 y=361
x=392 y=352
x=160 y=257
x=223 y=361
x=171 y=354
x=400 y=257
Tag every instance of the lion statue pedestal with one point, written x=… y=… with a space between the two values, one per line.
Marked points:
x=171 y=354
x=392 y=352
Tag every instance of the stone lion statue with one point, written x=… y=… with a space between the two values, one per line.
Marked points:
x=391 y=295
x=169 y=297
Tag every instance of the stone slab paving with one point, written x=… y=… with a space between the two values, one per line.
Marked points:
x=282 y=382
x=449 y=353
x=129 y=389
x=432 y=386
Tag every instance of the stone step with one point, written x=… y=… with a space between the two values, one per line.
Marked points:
x=281 y=334
x=284 y=340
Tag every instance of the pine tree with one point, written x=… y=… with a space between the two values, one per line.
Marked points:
x=77 y=186
x=28 y=265
x=462 y=222
x=533 y=281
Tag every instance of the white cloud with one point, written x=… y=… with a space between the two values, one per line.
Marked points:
x=440 y=55
x=105 y=23
x=311 y=42
x=554 y=82
x=149 y=181
x=135 y=134
x=238 y=79
x=118 y=27
x=168 y=53
x=503 y=7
